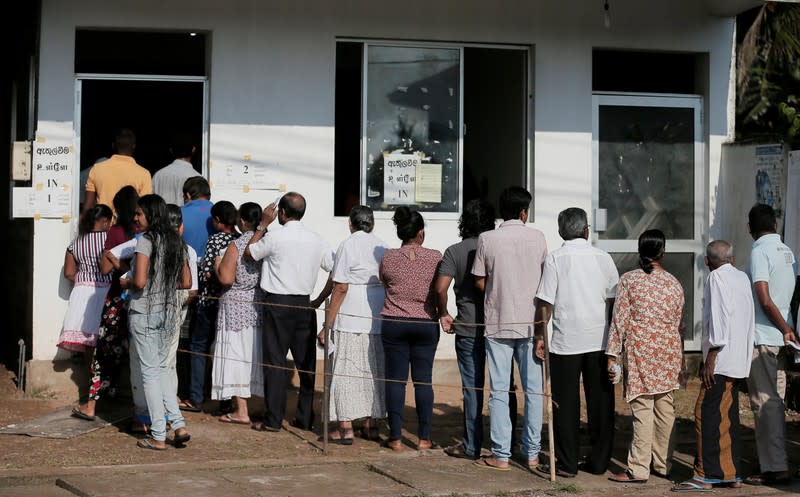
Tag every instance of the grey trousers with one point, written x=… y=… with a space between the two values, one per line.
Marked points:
x=768 y=409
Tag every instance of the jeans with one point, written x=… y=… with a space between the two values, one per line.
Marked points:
x=155 y=344
x=500 y=352
x=471 y=355
x=410 y=341
x=201 y=334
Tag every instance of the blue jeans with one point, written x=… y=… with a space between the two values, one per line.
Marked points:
x=201 y=334
x=156 y=340
x=500 y=352
x=471 y=355
x=410 y=341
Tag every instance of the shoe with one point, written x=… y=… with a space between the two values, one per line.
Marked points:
x=147 y=443
x=77 y=413
x=264 y=427
x=692 y=485
x=341 y=439
x=545 y=470
x=187 y=406
x=626 y=477
x=458 y=451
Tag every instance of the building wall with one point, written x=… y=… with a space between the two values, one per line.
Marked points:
x=272 y=92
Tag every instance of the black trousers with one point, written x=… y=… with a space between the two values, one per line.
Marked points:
x=566 y=372
x=288 y=329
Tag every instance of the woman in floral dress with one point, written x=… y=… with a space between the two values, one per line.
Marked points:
x=646 y=333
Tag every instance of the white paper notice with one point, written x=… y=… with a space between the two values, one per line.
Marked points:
x=53 y=163
x=769 y=179
x=399 y=178
x=246 y=174
x=24 y=202
x=429 y=183
x=792 y=220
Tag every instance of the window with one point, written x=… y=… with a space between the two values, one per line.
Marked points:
x=432 y=126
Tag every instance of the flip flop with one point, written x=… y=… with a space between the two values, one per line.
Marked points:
x=76 y=413
x=626 y=477
x=342 y=440
x=692 y=485
x=146 y=443
x=264 y=427
x=227 y=418
x=187 y=406
x=483 y=462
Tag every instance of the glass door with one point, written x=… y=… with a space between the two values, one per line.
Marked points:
x=648 y=173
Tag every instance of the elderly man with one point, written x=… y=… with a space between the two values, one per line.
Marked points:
x=508 y=267
x=578 y=287
x=772 y=269
x=728 y=335
x=293 y=256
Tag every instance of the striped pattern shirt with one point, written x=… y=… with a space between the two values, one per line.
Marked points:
x=87 y=249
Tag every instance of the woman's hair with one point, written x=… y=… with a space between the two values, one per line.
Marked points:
x=226 y=213
x=91 y=216
x=250 y=214
x=167 y=256
x=478 y=216
x=125 y=205
x=362 y=219
x=651 y=249
x=408 y=223
x=175 y=216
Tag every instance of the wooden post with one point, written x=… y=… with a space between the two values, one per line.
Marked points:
x=548 y=399
x=326 y=379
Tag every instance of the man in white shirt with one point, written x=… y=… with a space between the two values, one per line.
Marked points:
x=728 y=337
x=168 y=181
x=292 y=257
x=579 y=283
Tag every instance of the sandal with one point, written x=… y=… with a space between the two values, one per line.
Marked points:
x=342 y=439
x=147 y=443
x=769 y=478
x=626 y=477
x=692 y=485
x=483 y=462
x=458 y=451
x=545 y=470
x=395 y=445
x=228 y=418
x=187 y=406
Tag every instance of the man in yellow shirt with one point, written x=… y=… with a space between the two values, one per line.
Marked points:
x=108 y=177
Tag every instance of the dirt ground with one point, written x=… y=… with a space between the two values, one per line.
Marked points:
x=212 y=442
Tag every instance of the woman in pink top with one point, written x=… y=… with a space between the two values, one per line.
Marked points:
x=410 y=331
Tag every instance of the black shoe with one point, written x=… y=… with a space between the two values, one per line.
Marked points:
x=300 y=426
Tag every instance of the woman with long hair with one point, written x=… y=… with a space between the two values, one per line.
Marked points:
x=160 y=268
x=646 y=332
x=410 y=331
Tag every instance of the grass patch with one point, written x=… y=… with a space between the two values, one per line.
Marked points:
x=570 y=488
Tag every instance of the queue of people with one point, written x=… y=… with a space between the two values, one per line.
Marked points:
x=387 y=305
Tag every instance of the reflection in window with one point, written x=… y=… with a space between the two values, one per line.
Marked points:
x=413 y=114
x=681 y=266
x=646 y=171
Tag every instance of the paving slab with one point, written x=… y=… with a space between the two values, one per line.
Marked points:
x=331 y=480
x=35 y=491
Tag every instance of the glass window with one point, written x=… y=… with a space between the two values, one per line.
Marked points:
x=413 y=128
x=646 y=171
x=681 y=266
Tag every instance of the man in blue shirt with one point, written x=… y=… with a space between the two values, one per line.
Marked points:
x=196 y=210
x=772 y=269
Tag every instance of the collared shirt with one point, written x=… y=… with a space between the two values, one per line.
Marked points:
x=197 y=224
x=577 y=279
x=108 y=177
x=510 y=258
x=357 y=264
x=292 y=257
x=773 y=262
x=168 y=181
x=728 y=321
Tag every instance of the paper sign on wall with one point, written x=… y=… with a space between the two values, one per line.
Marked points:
x=399 y=178
x=246 y=174
x=53 y=163
x=429 y=183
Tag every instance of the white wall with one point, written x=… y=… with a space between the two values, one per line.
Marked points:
x=272 y=90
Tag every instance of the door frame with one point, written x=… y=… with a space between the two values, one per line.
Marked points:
x=76 y=129
x=695 y=245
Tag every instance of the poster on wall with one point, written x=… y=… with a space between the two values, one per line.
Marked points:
x=52 y=170
x=399 y=177
x=792 y=220
x=245 y=174
x=769 y=178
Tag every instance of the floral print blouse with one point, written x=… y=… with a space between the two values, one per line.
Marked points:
x=208 y=284
x=645 y=331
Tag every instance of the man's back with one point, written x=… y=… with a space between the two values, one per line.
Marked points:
x=774 y=263
x=728 y=310
x=168 y=181
x=510 y=258
x=108 y=177
x=197 y=224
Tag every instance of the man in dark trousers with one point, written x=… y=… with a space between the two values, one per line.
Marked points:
x=292 y=257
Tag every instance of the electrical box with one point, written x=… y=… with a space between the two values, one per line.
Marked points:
x=21 y=161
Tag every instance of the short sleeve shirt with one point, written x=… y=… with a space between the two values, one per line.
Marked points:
x=773 y=262
x=108 y=177
x=457 y=264
x=150 y=299
x=407 y=274
x=510 y=258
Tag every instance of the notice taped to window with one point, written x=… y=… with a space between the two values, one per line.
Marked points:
x=429 y=183
x=400 y=177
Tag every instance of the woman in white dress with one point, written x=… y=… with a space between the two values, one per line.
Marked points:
x=237 y=349
x=356 y=391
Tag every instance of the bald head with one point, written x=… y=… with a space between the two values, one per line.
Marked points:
x=718 y=252
x=293 y=206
